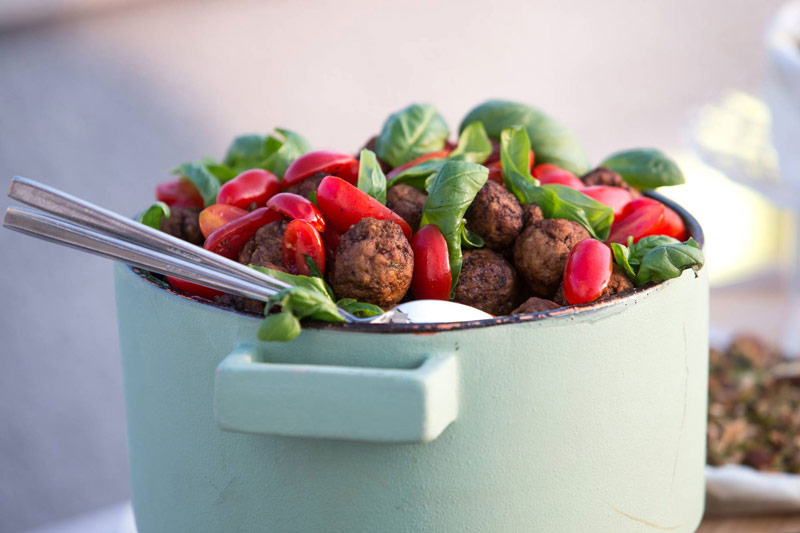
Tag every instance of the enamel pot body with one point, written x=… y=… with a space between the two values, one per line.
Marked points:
x=591 y=420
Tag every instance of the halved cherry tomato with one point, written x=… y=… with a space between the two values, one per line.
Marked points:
x=587 y=272
x=215 y=216
x=614 y=197
x=344 y=205
x=301 y=239
x=193 y=288
x=432 y=277
x=228 y=240
x=639 y=218
x=673 y=225
x=179 y=193
x=549 y=174
x=296 y=207
x=496 y=168
x=331 y=163
x=250 y=188
x=416 y=161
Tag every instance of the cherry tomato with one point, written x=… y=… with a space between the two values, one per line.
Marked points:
x=250 y=188
x=344 y=205
x=639 y=218
x=331 y=163
x=416 y=161
x=496 y=169
x=228 y=240
x=215 y=216
x=301 y=239
x=331 y=239
x=587 y=272
x=193 y=288
x=549 y=174
x=432 y=277
x=614 y=197
x=494 y=155
x=179 y=193
x=673 y=225
x=296 y=207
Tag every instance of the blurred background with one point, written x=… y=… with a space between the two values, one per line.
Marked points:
x=102 y=98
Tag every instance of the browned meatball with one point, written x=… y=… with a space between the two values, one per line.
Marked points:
x=306 y=186
x=265 y=247
x=487 y=281
x=618 y=283
x=184 y=223
x=373 y=263
x=531 y=214
x=495 y=215
x=407 y=202
x=535 y=305
x=606 y=176
x=541 y=251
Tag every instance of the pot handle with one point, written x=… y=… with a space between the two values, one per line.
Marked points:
x=337 y=402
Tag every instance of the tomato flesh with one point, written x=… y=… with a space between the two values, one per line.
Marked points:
x=299 y=240
x=638 y=219
x=252 y=188
x=193 y=288
x=587 y=272
x=180 y=193
x=549 y=174
x=673 y=225
x=614 y=197
x=296 y=207
x=440 y=154
x=331 y=163
x=432 y=276
x=343 y=205
x=215 y=216
x=229 y=239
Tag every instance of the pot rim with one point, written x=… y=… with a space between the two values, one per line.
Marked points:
x=692 y=226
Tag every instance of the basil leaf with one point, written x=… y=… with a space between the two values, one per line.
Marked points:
x=206 y=182
x=223 y=173
x=418 y=175
x=153 y=215
x=669 y=261
x=371 y=178
x=550 y=140
x=641 y=248
x=473 y=145
x=293 y=147
x=308 y=282
x=470 y=239
x=514 y=149
x=621 y=254
x=645 y=168
x=411 y=132
x=279 y=327
x=245 y=152
x=312 y=197
x=308 y=303
x=450 y=194
x=360 y=309
x=315 y=272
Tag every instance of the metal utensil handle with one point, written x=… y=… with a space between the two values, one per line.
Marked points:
x=62 y=232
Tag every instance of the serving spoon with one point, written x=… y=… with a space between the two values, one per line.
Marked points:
x=82 y=225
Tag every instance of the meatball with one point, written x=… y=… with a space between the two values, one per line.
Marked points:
x=184 y=223
x=535 y=305
x=373 y=263
x=618 y=283
x=531 y=214
x=407 y=202
x=541 y=250
x=306 y=186
x=265 y=247
x=495 y=215
x=606 y=176
x=487 y=281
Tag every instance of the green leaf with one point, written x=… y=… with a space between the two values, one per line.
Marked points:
x=514 y=149
x=411 y=132
x=621 y=254
x=645 y=168
x=359 y=309
x=268 y=152
x=308 y=282
x=470 y=239
x=245 y=152
x=293 y=147
x=669 y=261
x=279 y=327
x=550 y=140
x=315 y=272
x=308 y=303
x=371 y=178
x=206 y=182
x=641 y=248
x=312 y=197
x=473 y=145
x=223 y=173
x=153 y=215
x=418 y=175
x=450 y=194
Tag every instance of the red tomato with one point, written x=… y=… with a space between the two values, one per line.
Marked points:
x=301 y=239
x=331 y=239
x=432 y=277
x=550 y=174
x=331 y=163
x=495 y=153
x=215 y=216
x=251 y=187
x=673 y=225
x=416 y=161
x=640 y=218
x=228 y=240
x=344 y=205
x=587 y=272
x=614 y=197
x=193 y=288
x=179 y=193
x=296 y=207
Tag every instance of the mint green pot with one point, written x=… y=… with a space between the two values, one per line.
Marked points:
x=586 y=421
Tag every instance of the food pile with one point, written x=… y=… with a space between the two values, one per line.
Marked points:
x=753 y=415
x=510 y=218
